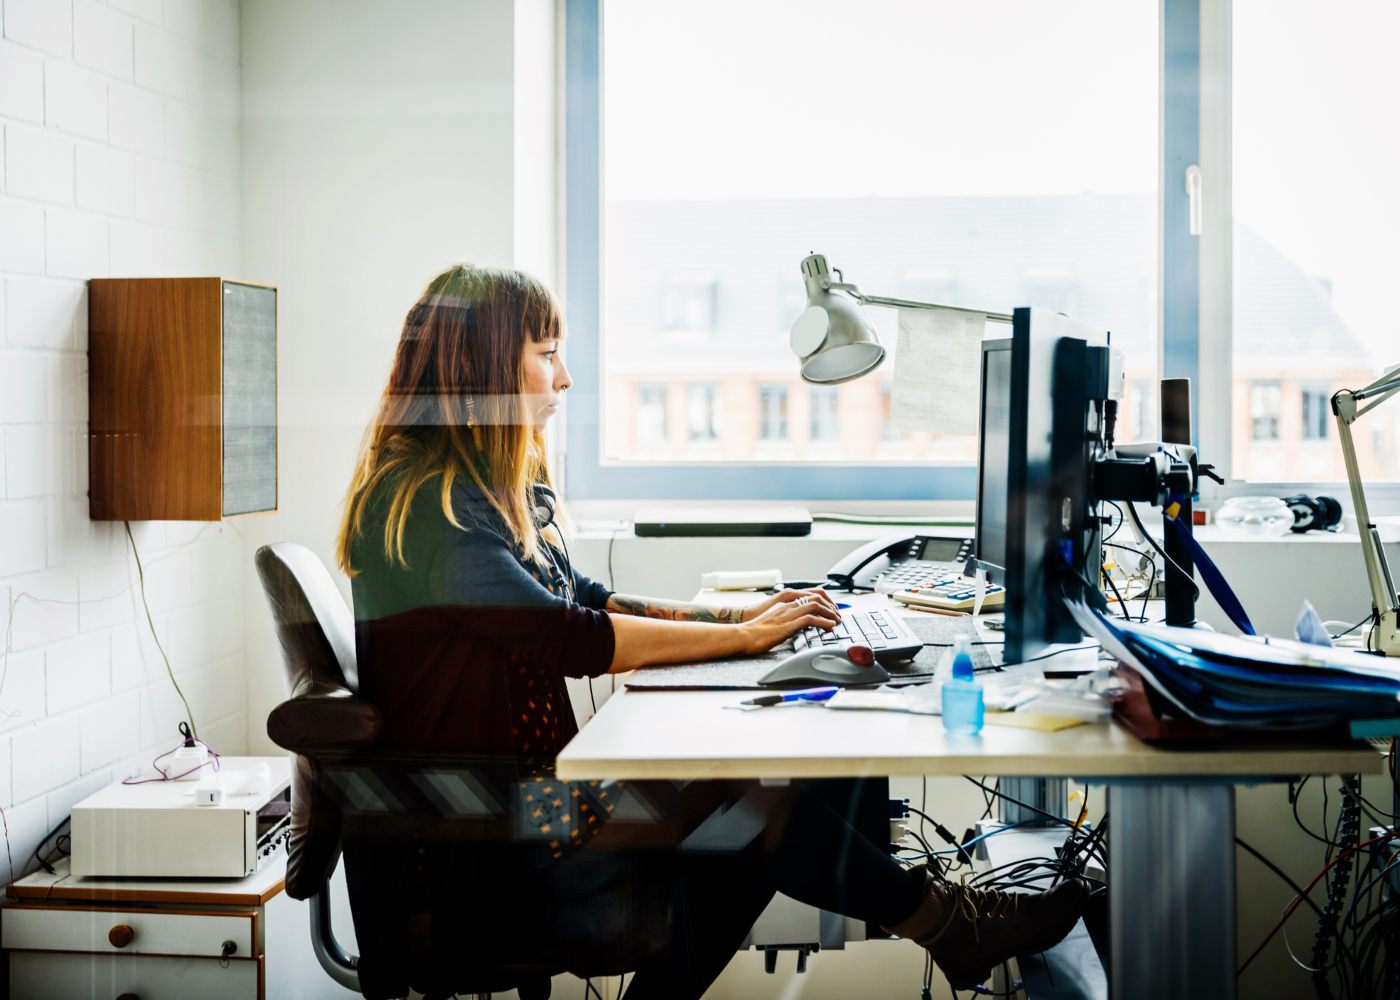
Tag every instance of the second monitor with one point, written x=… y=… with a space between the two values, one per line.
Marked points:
x=1042 y=407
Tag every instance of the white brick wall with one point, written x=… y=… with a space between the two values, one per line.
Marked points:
x=119 y=142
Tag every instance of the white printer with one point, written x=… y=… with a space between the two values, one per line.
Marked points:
x=159 y=829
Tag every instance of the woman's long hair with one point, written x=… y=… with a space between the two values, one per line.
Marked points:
x=455 y=407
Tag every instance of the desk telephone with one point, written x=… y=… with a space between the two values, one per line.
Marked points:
x=918 y=570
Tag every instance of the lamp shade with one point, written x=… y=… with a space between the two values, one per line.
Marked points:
x=832 y=336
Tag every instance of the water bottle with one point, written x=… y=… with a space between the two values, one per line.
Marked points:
x=963 y=710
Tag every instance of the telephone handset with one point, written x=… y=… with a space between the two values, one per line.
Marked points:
x=899 y=556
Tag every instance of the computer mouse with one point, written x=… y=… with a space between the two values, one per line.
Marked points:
x=839 y=665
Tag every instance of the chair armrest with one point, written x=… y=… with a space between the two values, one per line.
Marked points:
x=324 y=718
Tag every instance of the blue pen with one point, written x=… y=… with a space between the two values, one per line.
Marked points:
x=807 y=694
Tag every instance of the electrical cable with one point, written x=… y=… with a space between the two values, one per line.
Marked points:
x=1283 y=876
x=1024 y=805
x=141 y=578
x=1297 y=900
x=38 y=855
x=961 y=848
x=1122 y=604
x=612 y=540
x=1349 y=827
x=1365 y=621
x=1137 y=522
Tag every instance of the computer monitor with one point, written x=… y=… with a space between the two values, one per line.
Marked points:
x=993 y=437
x=1041 y=410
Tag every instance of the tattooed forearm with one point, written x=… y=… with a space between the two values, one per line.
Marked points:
x=676 y=611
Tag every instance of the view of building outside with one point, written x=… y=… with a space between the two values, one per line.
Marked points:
x=1316 y=208
x=957 y=193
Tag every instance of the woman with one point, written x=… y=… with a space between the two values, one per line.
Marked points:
x=469 y=617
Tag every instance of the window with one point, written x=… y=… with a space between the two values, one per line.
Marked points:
x=650 y=416
x=692 y=197
x=824 y=402
x=702 y=419
x=1264 y=410
x=688 y=304
x=1317 y=413
x=773 y=412
x=1314 y=253
x=887 y=431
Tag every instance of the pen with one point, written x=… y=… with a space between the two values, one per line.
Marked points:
x=937 y=611
x=808 y=694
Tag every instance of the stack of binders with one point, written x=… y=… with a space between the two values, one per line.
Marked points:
x=1251 y=683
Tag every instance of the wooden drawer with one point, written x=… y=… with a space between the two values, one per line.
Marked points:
x=38 y=975
x=152 y=932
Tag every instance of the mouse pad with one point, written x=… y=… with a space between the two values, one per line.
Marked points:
x=742 y=673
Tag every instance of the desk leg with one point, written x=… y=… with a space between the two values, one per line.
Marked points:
x=1172 y=890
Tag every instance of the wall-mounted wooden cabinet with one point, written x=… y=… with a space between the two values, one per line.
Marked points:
x=182 y=392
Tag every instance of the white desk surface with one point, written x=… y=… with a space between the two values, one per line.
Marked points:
x=692 y=735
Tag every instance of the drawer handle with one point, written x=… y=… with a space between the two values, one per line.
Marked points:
x=121 y=935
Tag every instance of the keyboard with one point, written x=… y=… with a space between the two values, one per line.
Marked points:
x=883 y=631
x=951 y=593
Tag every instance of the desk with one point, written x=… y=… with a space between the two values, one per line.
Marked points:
x=1172 y=813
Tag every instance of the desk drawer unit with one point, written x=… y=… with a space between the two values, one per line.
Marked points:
x=58 y=950
x=47 y=975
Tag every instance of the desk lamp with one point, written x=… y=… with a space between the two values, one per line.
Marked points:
x=1384 y=636
x=833 y=337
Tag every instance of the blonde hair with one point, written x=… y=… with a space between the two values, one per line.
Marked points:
x=455 y=407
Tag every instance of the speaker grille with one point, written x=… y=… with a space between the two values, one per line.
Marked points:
x=250 y=398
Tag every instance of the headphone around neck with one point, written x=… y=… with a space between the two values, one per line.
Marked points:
x=543 y=505
x=543 y=508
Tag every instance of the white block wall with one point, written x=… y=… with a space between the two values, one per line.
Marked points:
x=119 y=138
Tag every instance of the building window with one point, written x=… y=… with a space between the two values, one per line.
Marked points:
x=824 y=400
x=887 y=431
x=1264 y=410
x=688 y=262
x=701 y=412
x=1314 y=252
x=651 y=416
x=688 y=303
x=1317 y=413
x=772 y=412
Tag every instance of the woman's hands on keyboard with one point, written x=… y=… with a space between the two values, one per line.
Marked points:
x=812 y=595
x=784 y=615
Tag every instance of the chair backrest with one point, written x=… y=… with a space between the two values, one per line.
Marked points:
x=322 y=712
x=310 y=614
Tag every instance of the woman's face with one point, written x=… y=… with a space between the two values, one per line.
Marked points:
x=546 y=378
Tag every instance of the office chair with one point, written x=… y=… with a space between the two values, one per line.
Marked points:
x=443 y=892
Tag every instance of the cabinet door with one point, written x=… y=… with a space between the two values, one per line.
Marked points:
x=45 y=975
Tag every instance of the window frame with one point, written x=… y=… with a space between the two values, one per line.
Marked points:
x=588 y=477
x=1210 y=360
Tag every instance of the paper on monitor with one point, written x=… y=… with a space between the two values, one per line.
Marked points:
x=937 y=371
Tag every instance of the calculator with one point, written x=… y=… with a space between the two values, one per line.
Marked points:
x=952 y=592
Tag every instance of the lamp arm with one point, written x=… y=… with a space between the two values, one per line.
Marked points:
x=1377 y=392
x=881 y=300
x=1377 y=568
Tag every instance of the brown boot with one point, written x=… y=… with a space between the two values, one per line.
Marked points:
x=970 y=931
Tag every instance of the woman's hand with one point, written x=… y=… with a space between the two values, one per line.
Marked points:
x=815 y=594
x=780 y=619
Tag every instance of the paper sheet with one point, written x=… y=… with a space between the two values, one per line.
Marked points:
x=937 y=371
